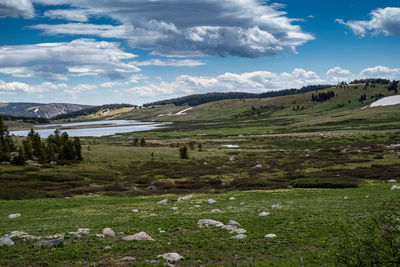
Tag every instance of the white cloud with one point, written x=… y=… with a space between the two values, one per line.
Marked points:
x=56 y=61
x=79 y=89
x=12 y=87
x=337 y=75
x=16 y=8
x=380 y=72
x=170 y=62
x=246 y=28
x=383 y=20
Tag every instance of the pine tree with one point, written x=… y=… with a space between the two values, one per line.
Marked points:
x=27 y=145
x=78 y=148
x=142 y=142
x=136 y=141
x=20 y=159
x=183 y=152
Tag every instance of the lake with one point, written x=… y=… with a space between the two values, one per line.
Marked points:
x=126 y=126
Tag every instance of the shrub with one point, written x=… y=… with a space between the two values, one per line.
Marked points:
x=183 y=152
x=323 y=183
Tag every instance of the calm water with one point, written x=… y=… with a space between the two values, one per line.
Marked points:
x=96 y=132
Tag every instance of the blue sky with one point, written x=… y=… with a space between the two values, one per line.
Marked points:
x=125 y=51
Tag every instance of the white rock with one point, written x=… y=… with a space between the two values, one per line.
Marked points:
x=164 y=201
x=231 y=158
x=135 y=210
x=240 y=236
x=139 y=236
x=100 y=236
x=21 y=235
x=258 y=166
x=13 y=216
x=276 y=206
x=162 y=231
x=199 y=202
x=108 y=232
x=241 y=203
x=264 y=213
x=231 y=198
x=80 y=232
x=174 y=208
x=230 y=207
x=395 y=187
x=207 y=222
x=5 y=241
x=215 y=210
x=270 y=236
x=197 y=206
x=232 y=222
x=185 y=198
x=56 y=236
x=127 y=259
x=392 y=181
x=241 y=231
x=229 y=228
x=107 y=247
x=346 y=198
x=153 y=214
x=211 y=201
x=171 y=256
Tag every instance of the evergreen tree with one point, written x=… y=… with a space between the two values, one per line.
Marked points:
x=136 y=141
x=183 y=152
x=78 y=148
x=27 y=145
x=142 y=142
x=20 y=159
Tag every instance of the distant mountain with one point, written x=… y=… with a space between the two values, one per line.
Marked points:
x=91 y=110
x=37 y=110
x=198 y=99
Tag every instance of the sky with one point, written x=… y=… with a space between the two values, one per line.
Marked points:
x=139 y=51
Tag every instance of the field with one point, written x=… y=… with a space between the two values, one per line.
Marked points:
x=327 y=164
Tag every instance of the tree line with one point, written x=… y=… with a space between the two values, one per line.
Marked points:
x=320 y=97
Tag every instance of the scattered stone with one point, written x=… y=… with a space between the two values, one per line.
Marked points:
x=276 y=206
x=121 y=233
x=174 y=208
x=241 y=203
x=21 y=235
x=211 y=201
x=56 y=236
x=270 y=236
x=346 y=198
x=207 y=222
x=392 y=181
x=185 y=198
x=317 y=134
x=49 y=243
x=264 y=213
x=108 y=232
x=135 y=210
x=142 y=236
x=13 y=216
x=395 y=187
x=241 y=231
x=5 y=241
x=127 y=259
x=230 y=207
x=100 y=235
x=240 y=236
x=164 y=201
x=230 y=228
x=53 y=163
x=199 y=202
x=231 y=158
x=197 y=206
x=231 y=222
x=367 y=196
x=107 y=248
x=239 y=210
x=151 y=187
x=80 y=232
x=152 y=215
x=231 y=198
x=153 y=261
x=171 y=256
x=258 y=166
x=162 y=231
x=215 y=210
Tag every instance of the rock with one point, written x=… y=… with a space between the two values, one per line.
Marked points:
x=56 y=236
x=231 y=222
x=152 y=214
x=215 y=210
x=13 y=216
x=240 y=236
x=199 y=202
x=231 y=158
x=241 y=231
x=230 y=207
x=207 y=222
x=80 y=232
x=53 y=163
x=108 y=232
x=258 y=166
x=211 y=201
x=100 y=235
x=346 y=198
x=395 y=187
x=153 y=261
x=151 y=187
x=171 y=256
x=231 y=198
x=161 y=231
x=107 y=248
x=270 y=236
x=264 y=213
x=317 y=134
x=185 y=198
x=5 y=241
x=142 y=236
x=174 y=208
x=49 y=243
x=21 y=235
x=241 y=203
x=197 y=206
x=164 y=201
x=229 y=228
x=135 y=210
x=276 y=206
x=392 y=181
x=127 y=259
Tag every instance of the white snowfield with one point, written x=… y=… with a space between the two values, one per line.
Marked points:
x=386 y=101
x=182 y=112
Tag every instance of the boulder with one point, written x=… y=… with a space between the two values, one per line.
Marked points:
x=231 y=198
x=270 y=236
x=108 y=232
x=185 y=198
x=127 y=259
x=5 y=241
x=164 y=201
x=171 y=256
x=13 y=216
x=174 y=208
x=135 y=210
x=215 y=210
x=80 y=232
x=258 y=166
x=211 y=201
x=49 y=243
x=264 y=213
x=232 y=222
x=394 y=187
x=240 y=236
x=276 y=206
x=208 y=222
x=142 y=236
x=392 y=181
x=100 y=236
x=22 y=235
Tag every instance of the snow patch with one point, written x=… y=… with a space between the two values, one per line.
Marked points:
x=387 y=101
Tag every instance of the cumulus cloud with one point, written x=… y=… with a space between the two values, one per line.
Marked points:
x=79 y=89
x=16 y=8
x=56 y=61
x=15 y=87
x=246 y=28
x=380 y=72
x=383 y=20
x=337 y=75
x=170 y=62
